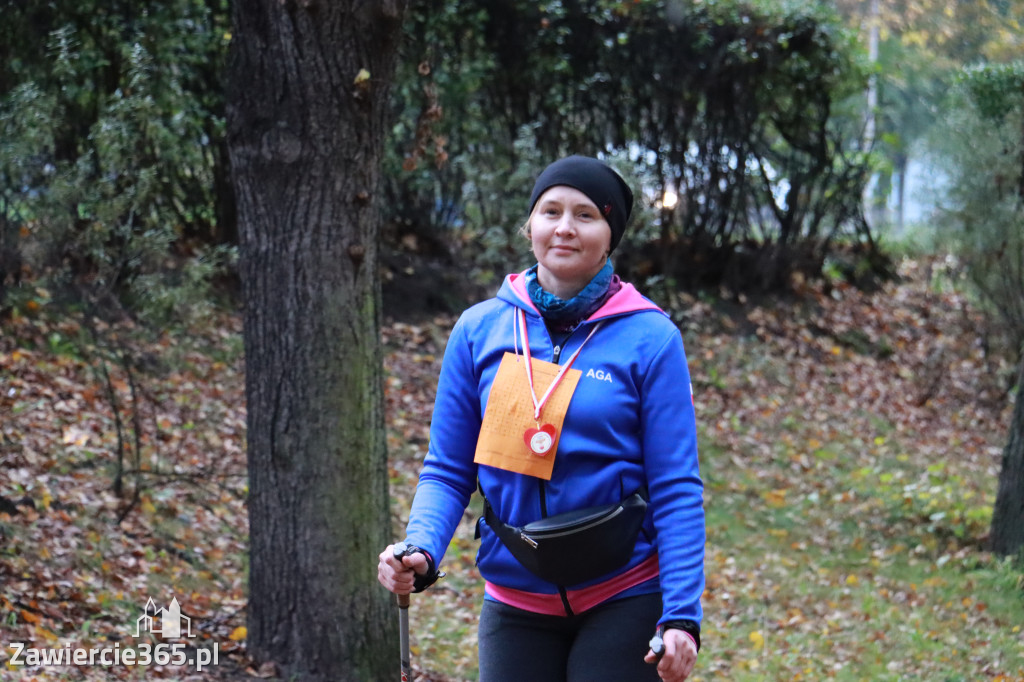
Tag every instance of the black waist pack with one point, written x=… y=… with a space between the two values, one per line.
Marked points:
x=577 y=546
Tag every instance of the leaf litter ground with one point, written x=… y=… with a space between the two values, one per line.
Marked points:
x=850 y=444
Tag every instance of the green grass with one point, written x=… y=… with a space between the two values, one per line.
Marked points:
x=824 y=588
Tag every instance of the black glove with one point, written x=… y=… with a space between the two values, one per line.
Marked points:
x=688 y=626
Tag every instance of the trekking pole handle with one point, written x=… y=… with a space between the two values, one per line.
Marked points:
x=657 y=643
x=401 y=550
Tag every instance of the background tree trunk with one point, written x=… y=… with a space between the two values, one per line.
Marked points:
x=307 y=107
x=1008 y=515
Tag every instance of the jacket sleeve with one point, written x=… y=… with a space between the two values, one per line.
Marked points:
x=448 y=477
x=673 y=479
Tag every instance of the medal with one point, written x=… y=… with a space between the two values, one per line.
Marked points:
x=541 y=439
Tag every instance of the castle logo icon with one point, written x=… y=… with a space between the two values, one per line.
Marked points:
x=167 y=622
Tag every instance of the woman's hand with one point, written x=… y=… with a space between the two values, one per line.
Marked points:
x=680 y=655
x=398 y=576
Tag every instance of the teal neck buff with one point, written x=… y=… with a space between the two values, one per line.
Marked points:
x=577 y=308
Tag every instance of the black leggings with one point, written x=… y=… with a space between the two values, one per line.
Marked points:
x=605 y=644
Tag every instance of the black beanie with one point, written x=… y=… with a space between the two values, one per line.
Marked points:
x=601 y=184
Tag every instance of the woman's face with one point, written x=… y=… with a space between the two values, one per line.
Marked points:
x=570 y=238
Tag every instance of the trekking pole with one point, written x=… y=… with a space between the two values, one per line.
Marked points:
x=657 y=643
x=401 y=550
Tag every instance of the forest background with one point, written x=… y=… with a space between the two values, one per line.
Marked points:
x=856 y=370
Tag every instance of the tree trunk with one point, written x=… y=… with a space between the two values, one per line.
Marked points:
x=307 y=107
x=1008 y=515
x=869 y=199
x=901 y=170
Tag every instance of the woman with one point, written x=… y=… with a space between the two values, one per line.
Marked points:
x=568 y=391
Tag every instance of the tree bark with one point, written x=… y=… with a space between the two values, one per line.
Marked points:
x=1008 y=514
x=307 y=110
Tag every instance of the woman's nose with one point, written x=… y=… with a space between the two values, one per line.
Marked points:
x=566 y=226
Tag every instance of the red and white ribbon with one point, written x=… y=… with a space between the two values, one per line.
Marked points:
x=538 y=405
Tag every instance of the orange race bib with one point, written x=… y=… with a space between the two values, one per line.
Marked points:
x=511 y=438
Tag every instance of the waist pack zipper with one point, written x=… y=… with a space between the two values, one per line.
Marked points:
x=551 y=534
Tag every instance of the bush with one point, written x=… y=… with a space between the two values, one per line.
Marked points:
x=982 y=215
x=734 y=106
x=110 y=164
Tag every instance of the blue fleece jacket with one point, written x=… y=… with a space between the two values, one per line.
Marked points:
x=630 y=423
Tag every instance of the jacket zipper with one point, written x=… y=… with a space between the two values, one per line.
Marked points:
x=556 y=353
x=544 y=513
